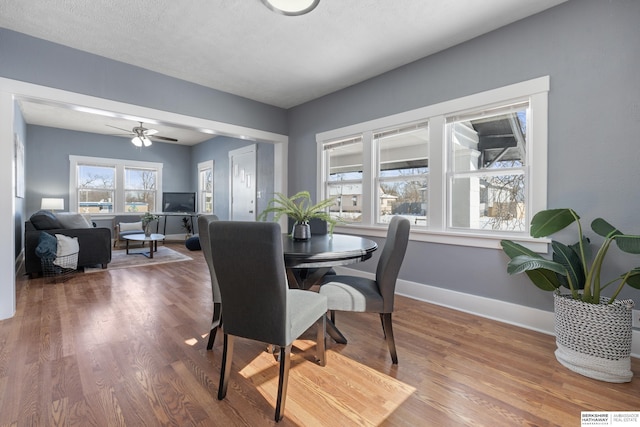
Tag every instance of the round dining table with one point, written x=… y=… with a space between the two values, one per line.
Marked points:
x=321 y=252
x=308 y=261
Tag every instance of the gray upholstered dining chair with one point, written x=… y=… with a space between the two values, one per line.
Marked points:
x=249 y=264
x=352 y=293
x=205 y=244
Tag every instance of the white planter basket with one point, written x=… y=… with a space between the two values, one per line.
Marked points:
x=594 y=340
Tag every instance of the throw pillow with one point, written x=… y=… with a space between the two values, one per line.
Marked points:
x=130 y=226
x=47 y=246
x=66 y=246
x=71 y=220
x=45 y=220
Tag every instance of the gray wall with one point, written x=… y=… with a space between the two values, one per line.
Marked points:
x=590 y=50
x=48 y=150
x=217 y=149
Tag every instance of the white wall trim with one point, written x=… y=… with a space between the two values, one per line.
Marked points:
x=501 y=311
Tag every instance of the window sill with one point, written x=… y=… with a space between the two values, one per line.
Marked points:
x=469 y=239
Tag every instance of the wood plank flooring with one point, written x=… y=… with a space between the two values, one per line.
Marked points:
x=128 y=348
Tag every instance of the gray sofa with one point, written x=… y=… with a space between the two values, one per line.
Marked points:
x=95 y=243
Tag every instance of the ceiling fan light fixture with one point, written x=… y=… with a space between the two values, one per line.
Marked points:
x=136 y=141
x=146 y=141
x=291 y=7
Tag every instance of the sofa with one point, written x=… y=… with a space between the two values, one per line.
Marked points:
x=94 y=242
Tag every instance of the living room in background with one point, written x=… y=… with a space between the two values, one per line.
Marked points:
x=205 y=186
x=101 y=185
x=464 y=171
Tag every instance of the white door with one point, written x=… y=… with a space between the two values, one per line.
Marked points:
x=243 y=183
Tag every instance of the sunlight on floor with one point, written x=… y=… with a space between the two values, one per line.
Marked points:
x=325 y=386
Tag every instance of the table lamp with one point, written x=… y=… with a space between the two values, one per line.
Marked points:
x=52 y=204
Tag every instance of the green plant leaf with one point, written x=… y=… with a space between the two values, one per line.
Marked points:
x=586 y=245
x=634 y=278
x=544 y=279
x=523 y=263
x=550 y=221
x=629 y=244
x=604 y=229
x=569 y=258
x=513 y=249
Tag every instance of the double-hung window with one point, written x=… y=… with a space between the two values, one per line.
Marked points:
x=468 y=171
x=205 y=186
x=100 y=185
x=486 y=169
x=344 y=173
x=402 y=172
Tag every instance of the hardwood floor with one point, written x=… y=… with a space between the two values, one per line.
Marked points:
x=128 y=348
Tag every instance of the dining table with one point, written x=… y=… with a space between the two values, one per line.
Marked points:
x=308 y=261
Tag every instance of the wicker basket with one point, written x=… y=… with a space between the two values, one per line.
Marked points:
x=59 y=269
x=594 y=340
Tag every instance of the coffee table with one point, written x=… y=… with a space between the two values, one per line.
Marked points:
x=152 y=239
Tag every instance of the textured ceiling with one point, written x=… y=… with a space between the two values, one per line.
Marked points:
x=241 y=47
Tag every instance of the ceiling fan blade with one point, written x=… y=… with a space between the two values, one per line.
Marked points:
x=150 y=132
x=126 y=130
x=163 y=138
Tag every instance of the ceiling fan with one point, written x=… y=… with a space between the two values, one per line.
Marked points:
x=143 y=136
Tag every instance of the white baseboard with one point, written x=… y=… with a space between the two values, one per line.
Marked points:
x=506 y=312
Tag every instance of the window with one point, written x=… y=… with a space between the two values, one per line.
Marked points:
x=403 y=169
x=487 y=169
x=205 y=186
x=468 y=171
x=344 y=178
x=96 y=188
x=140 y=189
x=99 y=185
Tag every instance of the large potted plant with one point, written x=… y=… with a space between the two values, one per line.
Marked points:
x=301 y=210
x=593 y=331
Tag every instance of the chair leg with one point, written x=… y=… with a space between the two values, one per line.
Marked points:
x=283 y=380
x=333 y=316
x=388 y=334
x=225 y=368
x=321 y=341
x=216 y=323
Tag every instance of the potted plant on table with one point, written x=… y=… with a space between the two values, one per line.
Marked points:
x=300 y=209
x=593 y=332
x=147 y=219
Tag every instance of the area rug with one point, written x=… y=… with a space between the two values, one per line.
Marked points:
x=120 y=259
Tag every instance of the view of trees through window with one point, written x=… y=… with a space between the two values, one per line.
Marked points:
x=403 y=171
x=140 y=190
x=99 y=187
x=205 y=186
x=96 y=187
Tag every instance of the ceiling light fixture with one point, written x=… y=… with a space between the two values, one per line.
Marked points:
x=140 y=139
x=291 y=7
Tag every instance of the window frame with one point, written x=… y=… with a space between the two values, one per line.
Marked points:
x=535 y=91
x=202 y=167
x=119 y=189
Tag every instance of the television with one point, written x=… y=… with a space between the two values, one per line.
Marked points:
x=179 y=202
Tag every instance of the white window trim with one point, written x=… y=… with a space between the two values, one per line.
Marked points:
x=202 y=166
x=120 y=164
x=536 y=90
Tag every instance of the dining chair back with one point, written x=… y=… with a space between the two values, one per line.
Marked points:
x=355 y=293
x=249 y=264
x=205 y=244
